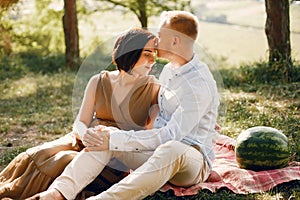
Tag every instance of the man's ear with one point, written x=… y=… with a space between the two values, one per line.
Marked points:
x=176 y=40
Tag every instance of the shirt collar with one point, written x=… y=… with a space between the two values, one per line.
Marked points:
x=186 y=67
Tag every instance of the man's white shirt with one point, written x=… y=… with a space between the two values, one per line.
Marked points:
x=188 y=100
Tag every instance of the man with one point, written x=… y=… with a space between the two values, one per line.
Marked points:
x=179 y=148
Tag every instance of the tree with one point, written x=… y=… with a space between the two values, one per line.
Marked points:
x=70 y=25
x=5 y=40
x=277 y=29
x=143 y=9
x=5 y=4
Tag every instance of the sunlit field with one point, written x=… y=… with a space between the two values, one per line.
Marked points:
x=239 y=36
x=229 y=30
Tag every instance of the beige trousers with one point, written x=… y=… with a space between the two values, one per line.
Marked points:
x=174 y=161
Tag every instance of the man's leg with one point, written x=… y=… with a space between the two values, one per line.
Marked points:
x=83 y=169
x=174 y=161
x=194 y=169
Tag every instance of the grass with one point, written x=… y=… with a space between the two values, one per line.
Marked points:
x=35 y=106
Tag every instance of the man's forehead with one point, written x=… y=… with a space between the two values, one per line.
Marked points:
x=166 y=29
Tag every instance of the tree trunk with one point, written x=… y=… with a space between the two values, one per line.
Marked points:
x=143 y=20
x=71 y=33
x=277 y=29
x=142 y=13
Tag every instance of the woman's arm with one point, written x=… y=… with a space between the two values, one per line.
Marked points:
x=154 y=109
x=153 y=112
x=87 y=108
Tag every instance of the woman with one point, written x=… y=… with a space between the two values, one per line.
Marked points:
x=120 y=98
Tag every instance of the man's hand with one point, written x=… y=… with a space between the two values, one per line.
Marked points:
x=97 y=139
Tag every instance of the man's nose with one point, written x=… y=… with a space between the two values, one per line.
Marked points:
x=155 y=42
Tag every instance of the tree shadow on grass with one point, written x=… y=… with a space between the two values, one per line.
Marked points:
x=47 y=110
x=18 y=65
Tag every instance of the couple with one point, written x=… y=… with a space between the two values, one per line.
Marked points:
x=178 y=147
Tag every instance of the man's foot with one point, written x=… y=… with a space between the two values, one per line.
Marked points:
x=50 y=194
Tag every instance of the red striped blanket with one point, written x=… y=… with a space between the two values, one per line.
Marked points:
x=226 y=173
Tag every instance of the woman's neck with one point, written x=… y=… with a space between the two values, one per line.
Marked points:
x=122 y=85
x=127 y=79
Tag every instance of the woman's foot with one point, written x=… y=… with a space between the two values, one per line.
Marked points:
x=51 y=194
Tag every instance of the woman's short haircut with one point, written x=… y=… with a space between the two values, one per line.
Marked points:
x=181 y=21
x=129 y=46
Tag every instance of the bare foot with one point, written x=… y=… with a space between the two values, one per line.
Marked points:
x=50 y=194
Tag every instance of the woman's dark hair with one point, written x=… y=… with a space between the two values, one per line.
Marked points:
x=129 y=46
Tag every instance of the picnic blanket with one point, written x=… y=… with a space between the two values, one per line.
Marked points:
x=226 y=173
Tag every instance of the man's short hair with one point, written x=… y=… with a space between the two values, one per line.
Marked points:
x=181 y=21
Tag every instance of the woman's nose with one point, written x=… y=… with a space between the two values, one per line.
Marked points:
x=151 y=60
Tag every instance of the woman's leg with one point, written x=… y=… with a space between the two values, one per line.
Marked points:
x=34 y=170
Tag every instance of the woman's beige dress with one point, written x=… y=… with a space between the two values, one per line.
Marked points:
x=35 y=169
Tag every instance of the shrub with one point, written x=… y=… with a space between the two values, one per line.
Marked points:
x=257 y=73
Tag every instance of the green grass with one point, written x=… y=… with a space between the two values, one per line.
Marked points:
x=289 y=191
x=35 y=105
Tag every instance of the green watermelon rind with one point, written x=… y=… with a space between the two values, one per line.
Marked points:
x=264 y=165
x=271 y=156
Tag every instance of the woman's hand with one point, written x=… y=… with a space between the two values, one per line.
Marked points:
x=153 y=112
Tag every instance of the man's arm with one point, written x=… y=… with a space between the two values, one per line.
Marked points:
x=193 y=106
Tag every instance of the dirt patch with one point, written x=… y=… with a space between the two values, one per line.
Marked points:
x=19 y=136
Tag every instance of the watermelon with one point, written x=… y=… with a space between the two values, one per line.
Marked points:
x=262 y=148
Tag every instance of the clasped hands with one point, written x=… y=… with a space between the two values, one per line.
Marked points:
x=97 y=138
